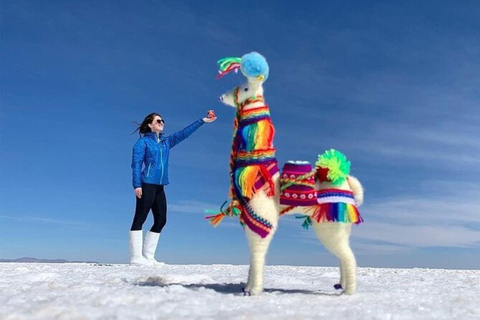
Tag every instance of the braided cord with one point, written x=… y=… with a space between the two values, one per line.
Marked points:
x=300 y=180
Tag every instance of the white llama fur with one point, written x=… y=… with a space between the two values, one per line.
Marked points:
x=334 y=235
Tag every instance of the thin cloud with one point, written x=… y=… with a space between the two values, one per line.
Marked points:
x=419 y=236
x=191 y=206
x=361 y=247
x=443 y=217
x=432 y=157
x=438 y=146
x=441 y=203
x=428 y=221
x=33 y=219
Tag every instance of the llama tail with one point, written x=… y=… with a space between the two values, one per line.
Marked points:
x=357 y=190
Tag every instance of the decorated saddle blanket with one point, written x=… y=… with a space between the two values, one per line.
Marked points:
x=297 y=184
x=335 y=205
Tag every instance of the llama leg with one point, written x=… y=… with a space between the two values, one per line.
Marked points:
x=265 y=207
x=335 y=237
x=343 y=275
x=343 y=278
x=248 y=286
x=258 y=251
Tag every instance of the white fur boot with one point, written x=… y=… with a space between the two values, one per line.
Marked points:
x=136 y=242
x=150 y=246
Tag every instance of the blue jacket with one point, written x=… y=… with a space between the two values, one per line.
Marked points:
x=153 y=154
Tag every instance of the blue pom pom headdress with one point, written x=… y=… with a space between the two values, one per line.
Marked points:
x=252 y=65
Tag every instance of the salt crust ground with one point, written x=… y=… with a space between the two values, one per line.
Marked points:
x=92 y=291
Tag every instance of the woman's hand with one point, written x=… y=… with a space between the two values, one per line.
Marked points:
x=209 y=119
x=210 y=116
x=138 y=192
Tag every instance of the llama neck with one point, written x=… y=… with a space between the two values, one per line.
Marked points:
x=256 y=101
x=253 y=105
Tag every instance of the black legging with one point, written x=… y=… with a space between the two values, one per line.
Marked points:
x=153 y=197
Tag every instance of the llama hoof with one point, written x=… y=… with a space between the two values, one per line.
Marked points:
x=338 y=286
x=246 y=293
x=349 y=291
x=255 y=291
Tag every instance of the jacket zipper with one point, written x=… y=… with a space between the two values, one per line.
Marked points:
x=161 y=161
x=148 y=170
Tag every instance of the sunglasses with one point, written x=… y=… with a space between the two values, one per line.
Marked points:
x=160 y=121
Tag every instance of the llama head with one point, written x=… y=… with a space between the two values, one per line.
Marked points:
x=254 y=67
x=332 y=166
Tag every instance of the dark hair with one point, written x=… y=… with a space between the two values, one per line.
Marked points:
x=144 y=128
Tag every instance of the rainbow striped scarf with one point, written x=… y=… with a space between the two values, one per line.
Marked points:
x=252 y=149
x=252 y=164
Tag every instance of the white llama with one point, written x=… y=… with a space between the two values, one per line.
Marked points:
x=255 y=180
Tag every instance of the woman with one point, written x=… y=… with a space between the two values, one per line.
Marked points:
x=152 y=150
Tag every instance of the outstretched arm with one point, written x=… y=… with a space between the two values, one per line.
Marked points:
x=181 y=135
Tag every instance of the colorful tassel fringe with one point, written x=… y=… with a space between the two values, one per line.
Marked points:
x=218 y=216
x=336 y=212
x=307 y=221
x=227 y=65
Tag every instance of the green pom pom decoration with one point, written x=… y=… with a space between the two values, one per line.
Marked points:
x=337 y=164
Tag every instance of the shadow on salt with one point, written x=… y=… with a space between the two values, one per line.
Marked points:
x=226 y=288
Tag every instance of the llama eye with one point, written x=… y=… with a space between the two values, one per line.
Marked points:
x=246 y=89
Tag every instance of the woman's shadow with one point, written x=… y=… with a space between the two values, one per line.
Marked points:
x=226 y=288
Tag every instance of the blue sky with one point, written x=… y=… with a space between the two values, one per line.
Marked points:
x=393 y=85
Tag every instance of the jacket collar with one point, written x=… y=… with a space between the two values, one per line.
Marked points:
x=153 y=136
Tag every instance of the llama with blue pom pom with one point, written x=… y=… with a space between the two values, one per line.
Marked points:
x=253 y=166
x=259 y=196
